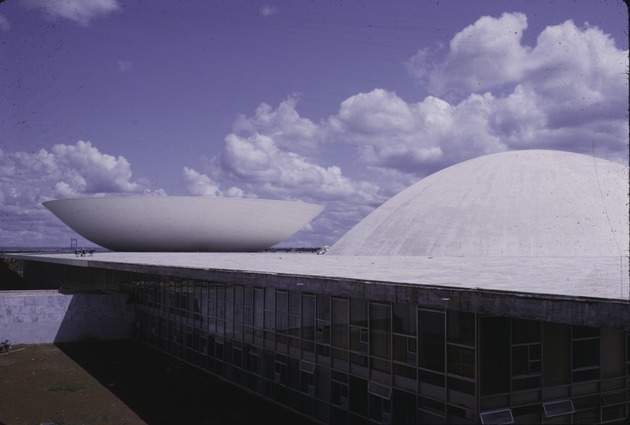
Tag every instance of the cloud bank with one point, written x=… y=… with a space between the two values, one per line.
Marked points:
x=67 y=171
x=569 y=92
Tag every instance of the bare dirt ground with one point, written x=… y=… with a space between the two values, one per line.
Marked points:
x=120 y=383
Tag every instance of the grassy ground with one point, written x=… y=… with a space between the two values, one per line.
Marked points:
x=119 y=383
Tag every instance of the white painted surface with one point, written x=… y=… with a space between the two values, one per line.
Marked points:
x=183 y=223
x=521 y=203
x=597 y=277
x=48 y=316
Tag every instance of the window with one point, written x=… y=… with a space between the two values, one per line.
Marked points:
x=494 y=349
x=340 y=323
x=259 y=309
x=526 y=359
x=280 y=371
x=585 y=353
x=405 y=350
x=379 y=390
x=556 y=354
x=615 y=397
x=306 y=366
x=557 y=408
x=525 y=331
x=461 y=328
x=380 y=330
x=359 y=312
x=461 y=361
x=431 y=350
x=404 y=319
x=322 y=331
x=359 y=339
x=248 y=306
x=340 y=394
x=308 y=317
x=501 y=416
x=282 y=300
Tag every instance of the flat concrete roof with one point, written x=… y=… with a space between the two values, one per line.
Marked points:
x=591 y=277
x=601 y=281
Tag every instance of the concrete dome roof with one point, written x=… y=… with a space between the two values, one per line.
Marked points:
x=519 y=203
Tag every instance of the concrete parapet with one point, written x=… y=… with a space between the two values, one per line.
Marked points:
x=49 y=316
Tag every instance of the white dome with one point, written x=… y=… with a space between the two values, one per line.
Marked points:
x=174 y=223
x=519 y=203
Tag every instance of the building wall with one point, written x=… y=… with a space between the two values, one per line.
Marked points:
x=48 y=316
x=347 y=360
x=342 y=357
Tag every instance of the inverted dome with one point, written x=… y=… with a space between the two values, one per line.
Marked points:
x=519 y=203
x=181 y=223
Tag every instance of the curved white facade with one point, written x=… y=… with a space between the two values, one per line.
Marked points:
x=519 y=203
x=183 y=224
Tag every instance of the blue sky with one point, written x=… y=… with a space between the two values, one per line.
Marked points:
x=342 y=103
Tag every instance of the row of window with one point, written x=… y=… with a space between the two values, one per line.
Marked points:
x=450 y=363
x=435 y=401
x=432 y=353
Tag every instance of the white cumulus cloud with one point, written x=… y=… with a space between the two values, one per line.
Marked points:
x=485 y=54
x=4 y=23
x=568 y=92
x=203 y=185
x=268 y=10
x=79 y=11
x=27 y=179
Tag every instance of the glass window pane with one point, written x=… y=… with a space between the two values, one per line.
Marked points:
x=294 y=302
x=400 y=348
x=259 y=311
x=308 y=317
x=358 y=339
x=358 y=396
x=238 y=304
x=556 y=354
x=461 y=328
x=380 y=330
x=431 y=384
x=431 y=349
x=493 y=350
x=282 y=300
x=525 y=331
x=405 y=319
x=359 y=312
x=323 y=307
x=461 y=361
x=270 y=298
x=340 y=323
x=612 y=354
x=520 y=360
x=585 y=353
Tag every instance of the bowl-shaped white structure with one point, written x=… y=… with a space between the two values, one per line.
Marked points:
x=183 y=224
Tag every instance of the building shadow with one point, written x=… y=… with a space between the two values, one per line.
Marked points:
x=163 y=391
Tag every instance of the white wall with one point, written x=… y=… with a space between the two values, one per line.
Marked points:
x=48 y=316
